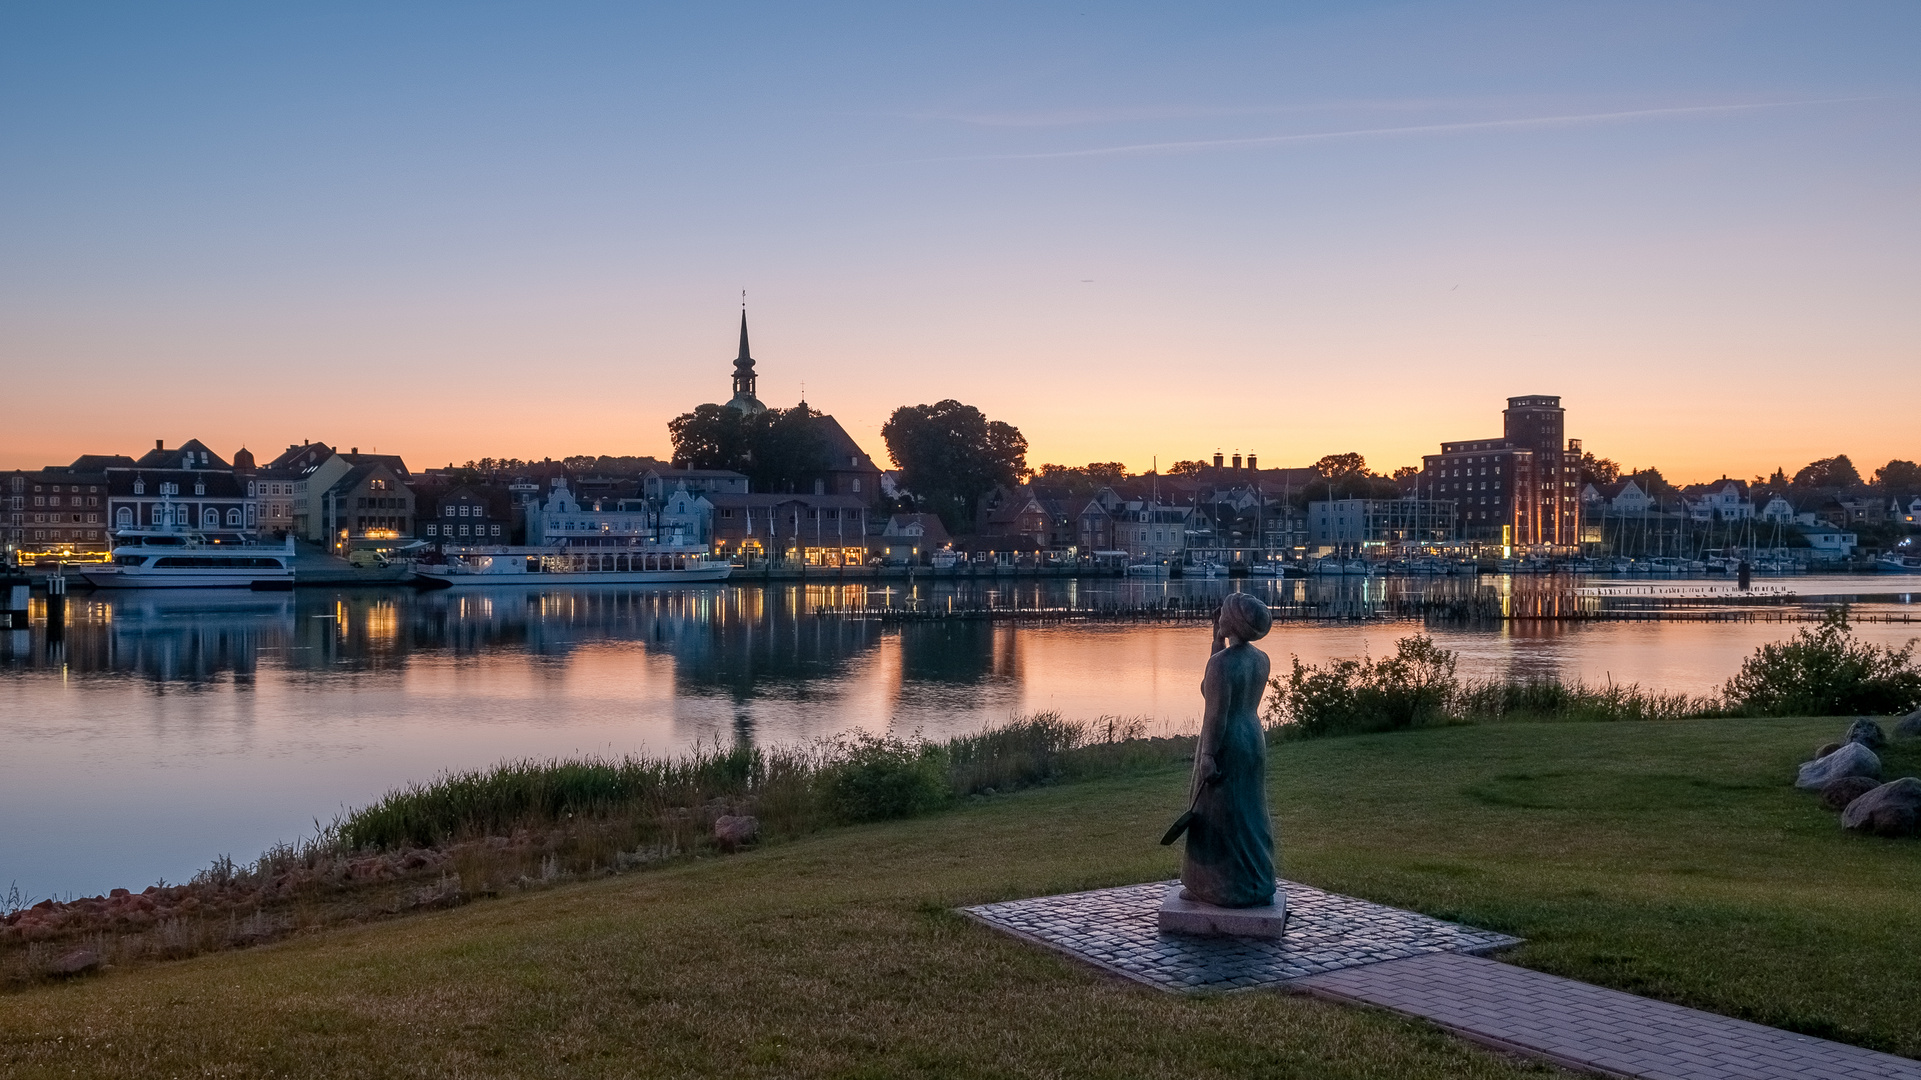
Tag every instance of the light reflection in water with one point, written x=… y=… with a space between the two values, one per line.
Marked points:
x=160 y=730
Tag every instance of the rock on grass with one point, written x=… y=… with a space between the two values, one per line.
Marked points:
x=1837 y=794
x=1867 y=733
x=1893 y=809
x=1852 y=759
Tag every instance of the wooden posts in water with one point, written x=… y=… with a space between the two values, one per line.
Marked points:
x=15 y=588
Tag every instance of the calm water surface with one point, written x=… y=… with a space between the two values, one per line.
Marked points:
x=167 y=729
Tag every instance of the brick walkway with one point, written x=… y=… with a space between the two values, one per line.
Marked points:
x=1600 y=1030
x=1352 y=950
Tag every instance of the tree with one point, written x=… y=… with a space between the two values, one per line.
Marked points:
x=1898 y=478
x=1405 y=472
x=1834 y=472
x=1186 y=468
x=1082 y=479
x=1598 y=470
x=779 y=450
x=1336 y=466
x=950 y=455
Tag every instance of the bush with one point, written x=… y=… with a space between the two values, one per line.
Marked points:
x=1416 y=687
x=877 y=777
x=1827 y=672
x=1410 y=689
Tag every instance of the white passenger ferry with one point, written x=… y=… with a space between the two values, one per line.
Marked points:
x=548 y=566
x=179 y=559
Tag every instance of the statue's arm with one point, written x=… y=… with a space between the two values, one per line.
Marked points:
x=1213 y=704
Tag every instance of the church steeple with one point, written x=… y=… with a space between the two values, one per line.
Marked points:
x=744 y=398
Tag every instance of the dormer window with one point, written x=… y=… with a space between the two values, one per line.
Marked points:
x=139 y=487
x=199 y=487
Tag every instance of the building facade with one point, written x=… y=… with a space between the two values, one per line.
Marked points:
x=370 y=505
x=1518 y=490
x=1365 y=523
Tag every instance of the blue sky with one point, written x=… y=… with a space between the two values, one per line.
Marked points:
x=1135 y=232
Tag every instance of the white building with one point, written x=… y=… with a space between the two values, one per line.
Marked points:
x=1777 y=509
x=1827 y=541
x=561 y=519
x=685 y=521
x=1722 y=500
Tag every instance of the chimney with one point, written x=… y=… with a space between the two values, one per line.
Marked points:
x=1237 y=463
x=160 y=444
x=1251 y=467
x=355 y=450
x=1217 y=459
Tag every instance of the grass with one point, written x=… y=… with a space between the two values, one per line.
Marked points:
x=1670 y=859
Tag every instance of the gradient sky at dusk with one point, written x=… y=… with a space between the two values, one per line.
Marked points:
x=455 y=230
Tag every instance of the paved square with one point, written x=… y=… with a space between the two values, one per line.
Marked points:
x=1115 y=929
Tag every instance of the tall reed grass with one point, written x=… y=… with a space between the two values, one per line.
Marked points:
x=791 y=790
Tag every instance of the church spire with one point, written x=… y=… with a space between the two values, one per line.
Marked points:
x=744 y=377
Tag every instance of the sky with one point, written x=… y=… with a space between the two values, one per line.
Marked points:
x=1137 y=232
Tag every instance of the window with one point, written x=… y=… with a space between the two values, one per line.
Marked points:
x=432 y=529
x=233 y=517
x=123 y=517
x=496 y=530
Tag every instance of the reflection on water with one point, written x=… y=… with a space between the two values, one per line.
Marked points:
x=159 y=730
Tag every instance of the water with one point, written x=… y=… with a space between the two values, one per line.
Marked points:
x=167 y=729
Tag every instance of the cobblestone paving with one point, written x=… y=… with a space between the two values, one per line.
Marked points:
x=1115 y=929
x=1352 y=950
x=1593 y=1028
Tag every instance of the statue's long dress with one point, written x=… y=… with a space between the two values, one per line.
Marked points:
x=1230 y=845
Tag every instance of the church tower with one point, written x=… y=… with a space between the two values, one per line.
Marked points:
x=744 y=399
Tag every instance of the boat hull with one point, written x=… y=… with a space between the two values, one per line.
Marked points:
x=188 y=579
x=703 y=575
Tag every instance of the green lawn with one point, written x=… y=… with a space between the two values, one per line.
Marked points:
x=1670 y=859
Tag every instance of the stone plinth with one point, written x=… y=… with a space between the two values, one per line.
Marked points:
x=1178 y=916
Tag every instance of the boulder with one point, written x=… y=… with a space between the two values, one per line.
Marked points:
x=1893 y=809
x=1867 y=733
x=733 y=832
x=1826 y=748
x=1851 y=760
x=1837 y=794
x=75 y=962
x=1909 y=726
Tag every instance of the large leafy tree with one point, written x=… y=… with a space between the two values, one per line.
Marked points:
x=1340 y=466
x=1082 y=479
x=950 y=455
x=1898 y=478
x=1834 y=472
x=780 y=450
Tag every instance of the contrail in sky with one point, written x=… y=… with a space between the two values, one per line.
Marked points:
x=1534 y=122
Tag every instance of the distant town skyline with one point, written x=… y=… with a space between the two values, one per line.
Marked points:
x=1134 y=233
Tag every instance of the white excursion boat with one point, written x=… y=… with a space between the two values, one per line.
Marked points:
x=169 y=558
x=547 y=566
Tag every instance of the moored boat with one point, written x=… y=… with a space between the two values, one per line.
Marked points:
x=171 y=558
x=548 y=566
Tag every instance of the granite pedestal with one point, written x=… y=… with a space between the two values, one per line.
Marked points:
x=1178 y=916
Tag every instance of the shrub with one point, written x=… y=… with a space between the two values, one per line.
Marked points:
x=877 y=777
x=1416 y=687
x=1825 y=671
x=1410 y=689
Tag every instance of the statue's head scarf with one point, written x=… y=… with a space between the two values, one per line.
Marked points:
x=1244 y=617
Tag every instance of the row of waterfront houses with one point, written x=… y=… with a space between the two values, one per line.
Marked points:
x=1521 y=490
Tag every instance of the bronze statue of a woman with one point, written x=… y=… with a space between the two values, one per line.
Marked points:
x=1230 y=845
